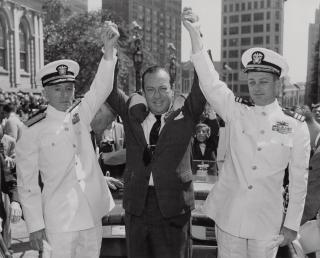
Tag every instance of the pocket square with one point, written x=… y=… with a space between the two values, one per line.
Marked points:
x=180 y=116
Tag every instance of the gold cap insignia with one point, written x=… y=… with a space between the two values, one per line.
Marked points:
x=62 y=69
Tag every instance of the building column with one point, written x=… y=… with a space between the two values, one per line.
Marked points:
x=17 y=13
x=32 y=62
x=11 y=58
x=41 y=49
x=36 y=43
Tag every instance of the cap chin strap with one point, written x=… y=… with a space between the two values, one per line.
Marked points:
x=262 y=69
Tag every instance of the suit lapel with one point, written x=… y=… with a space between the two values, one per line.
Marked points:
x=169 y=119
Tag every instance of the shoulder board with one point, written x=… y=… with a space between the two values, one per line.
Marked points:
x=244 y=101
x=74 y=105
x=37 y=117
x=293 y=114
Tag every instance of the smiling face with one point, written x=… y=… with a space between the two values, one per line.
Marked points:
x=202 y=132
x=60 y=96
x=157 y=91
x=316 y=113
x=263 y=87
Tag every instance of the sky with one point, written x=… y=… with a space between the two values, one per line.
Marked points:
x=298 y=14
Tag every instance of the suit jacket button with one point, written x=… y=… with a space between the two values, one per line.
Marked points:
x=250 y=187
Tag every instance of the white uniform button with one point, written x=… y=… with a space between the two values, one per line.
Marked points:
x=259 y=149
x=74 y=145
x=263 y=113
x=66 y=129
x=52 y=144
x=254 y=167
x=262 y=131
x=250 y=187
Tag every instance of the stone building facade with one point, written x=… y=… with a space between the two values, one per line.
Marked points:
x=21 y=44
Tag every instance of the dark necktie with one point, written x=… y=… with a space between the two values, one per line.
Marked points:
x=153 y=138
x=93 y=140
x=154 y=133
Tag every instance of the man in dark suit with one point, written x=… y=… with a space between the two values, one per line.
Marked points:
x=312 y=203
x=158 y=189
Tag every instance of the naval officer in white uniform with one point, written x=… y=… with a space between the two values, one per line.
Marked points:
x=246 y=203
x=68 y=211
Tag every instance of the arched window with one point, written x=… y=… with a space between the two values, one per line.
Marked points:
x=3 y=46
x=23 y=48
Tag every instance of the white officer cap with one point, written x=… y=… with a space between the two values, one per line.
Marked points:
x=260 y=59
x=57 y=72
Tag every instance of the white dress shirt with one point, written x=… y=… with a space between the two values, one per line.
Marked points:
x=147 y=126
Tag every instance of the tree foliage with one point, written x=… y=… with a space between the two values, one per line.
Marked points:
x=55 y=11
x=78 y=37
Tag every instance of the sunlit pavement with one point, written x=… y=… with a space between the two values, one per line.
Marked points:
x=20 y=242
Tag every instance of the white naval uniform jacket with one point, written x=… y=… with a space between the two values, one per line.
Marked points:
x=75 y=195
x=247 y=199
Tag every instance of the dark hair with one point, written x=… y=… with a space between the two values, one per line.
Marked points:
x=151 y=70
x=8 y=108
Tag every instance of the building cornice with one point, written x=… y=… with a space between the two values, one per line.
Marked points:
x=23 y=7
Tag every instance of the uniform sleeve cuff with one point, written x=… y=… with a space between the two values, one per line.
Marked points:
x=35 y=227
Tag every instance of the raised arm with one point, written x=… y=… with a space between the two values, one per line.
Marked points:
x=117 y=99
x=103 y=81
x=195 y=101
x=220 y=97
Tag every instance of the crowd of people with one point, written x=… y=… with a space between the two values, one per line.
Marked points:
x=56 y=154
x=24 y=103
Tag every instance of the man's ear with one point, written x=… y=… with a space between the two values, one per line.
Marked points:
x=278 y=87
x=44 y=93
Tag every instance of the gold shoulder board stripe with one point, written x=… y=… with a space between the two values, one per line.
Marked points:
x=74 y=105
x=35 y=119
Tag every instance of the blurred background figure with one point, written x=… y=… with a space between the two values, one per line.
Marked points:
x=202 y=151
x=13 y=124
x=315 y=108
x=209 y=117
x=110 y=139
x=10 y=209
